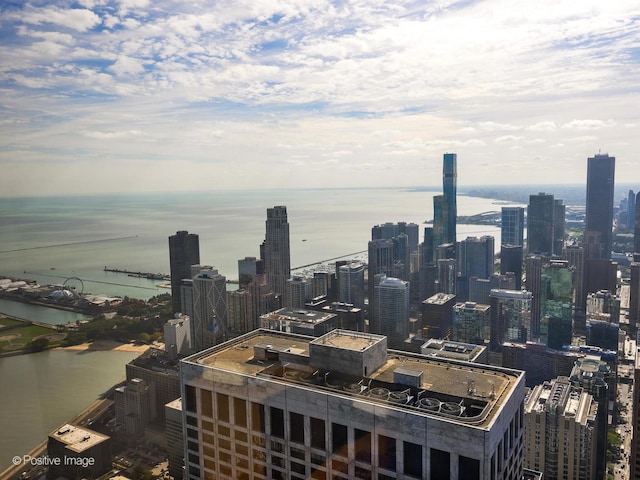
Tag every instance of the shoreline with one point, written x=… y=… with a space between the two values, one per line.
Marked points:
x=106 y=345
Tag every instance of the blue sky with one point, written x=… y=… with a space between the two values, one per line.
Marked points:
x=104 y=96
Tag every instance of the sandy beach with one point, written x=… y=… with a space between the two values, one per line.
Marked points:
x=101 y=345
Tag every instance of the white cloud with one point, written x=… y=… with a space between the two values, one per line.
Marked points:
x=588 y=124
x=76 y=19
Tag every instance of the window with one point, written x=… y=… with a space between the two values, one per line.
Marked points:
x=240 y=412
x=223 y=407
x=363 y=445
x=206 y=403
x=339 y=439
x=412 y=457
x=190 y=398
x=277 y=422
x=387 y=453
x=296 y=427
x=468 y=468
x=317 y=433
x=257 y=417
x=440 y=464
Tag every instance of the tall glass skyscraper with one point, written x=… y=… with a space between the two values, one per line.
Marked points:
x=277 y=256
x=184 y=251
x=512 y=226
x=599 y=214
x=449 y=189
x=540 y=223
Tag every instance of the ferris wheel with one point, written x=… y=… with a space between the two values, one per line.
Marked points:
x=75 y=285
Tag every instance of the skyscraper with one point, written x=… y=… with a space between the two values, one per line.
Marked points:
x=510 y=317
x=540 y=223
x=351 y=284
x=636 y=227
x=512 y=226
x=275 y=405
x=449 y=189
x=559 y=211
x=209 y=308
x=391 y=318
x=277 y=256
x=561 y=431
x=599 y=210
x=184 y=251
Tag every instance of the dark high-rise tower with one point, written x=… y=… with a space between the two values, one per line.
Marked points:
x=636 y=227
x=277 y=256
x=540 y=223
x=184 y=251
x=449 y=189
x=599 y=215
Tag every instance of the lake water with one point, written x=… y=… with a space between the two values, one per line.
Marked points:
x=53 y=239
x=41 y=391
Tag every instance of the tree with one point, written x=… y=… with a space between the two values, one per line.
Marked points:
x=37 y=344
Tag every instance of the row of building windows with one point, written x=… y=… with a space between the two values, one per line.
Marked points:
x=242 y=416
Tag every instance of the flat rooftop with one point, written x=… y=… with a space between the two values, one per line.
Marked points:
x=479 y=390
x=354 y=341
x=77 y=439
x=300 y=315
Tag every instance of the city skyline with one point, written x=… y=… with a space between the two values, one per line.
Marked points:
x=305 y=95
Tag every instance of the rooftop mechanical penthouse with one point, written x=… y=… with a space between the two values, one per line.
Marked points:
x=276 y=405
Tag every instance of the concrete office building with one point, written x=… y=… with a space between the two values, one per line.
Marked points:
x=594 y=375
x=175 y=438
x=297 y=292
x=561 y=431
x=81 y=453
x=184 y=251
x=599 y=205
x=540 y=363
x=277 y=254
x=391 y=318
x=437 y=315
x=467 y=352
x=295 y=320
x=177 y=335
x=272 y=405
x=157 y=368
x=634 y=457
x=241 y=314
x=135 y=406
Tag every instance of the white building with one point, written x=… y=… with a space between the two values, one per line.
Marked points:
x=391 y=314
x=276 y=405
x=177 y=335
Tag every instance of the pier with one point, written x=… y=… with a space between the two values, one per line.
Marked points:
x=150 y=276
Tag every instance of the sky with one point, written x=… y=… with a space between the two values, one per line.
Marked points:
x=109 y=96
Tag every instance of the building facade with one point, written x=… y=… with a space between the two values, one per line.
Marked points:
x=560 y=431
x=209 y=308
x=391 y=319
x=512 y=226
x=269 y=405
x=599 y=206
x=277 y=251
x=184 y=251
